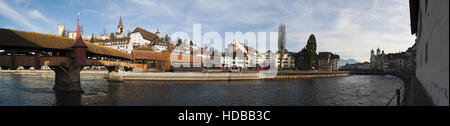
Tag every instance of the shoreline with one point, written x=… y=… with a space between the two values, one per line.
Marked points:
x=196 y=76
x=51 y=71
x=199 y=76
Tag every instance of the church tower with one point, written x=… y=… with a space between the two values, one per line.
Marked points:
x=158 y=33
x=120 y=28
x=378 y=51
x=372 y=53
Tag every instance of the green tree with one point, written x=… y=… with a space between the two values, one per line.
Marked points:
x=112 y=35
x=179 y=42
x=167 y=39
x=64 y=34
x=306 y=58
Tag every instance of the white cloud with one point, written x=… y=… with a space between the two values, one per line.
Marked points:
x=17 y=17
x=358 y=31
x=38 y=15
x=144 y=2
x=350 y=29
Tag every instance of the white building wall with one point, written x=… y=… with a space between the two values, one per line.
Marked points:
x=433 y=32
x=137 y=39
x=125 y=47
x=287 y=61
x=72 y=35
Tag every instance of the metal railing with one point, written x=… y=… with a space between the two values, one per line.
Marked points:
x=397 y=93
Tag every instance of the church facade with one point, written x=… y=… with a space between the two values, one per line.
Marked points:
x=378 y=60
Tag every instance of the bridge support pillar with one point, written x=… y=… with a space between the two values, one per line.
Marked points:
x=67 y=79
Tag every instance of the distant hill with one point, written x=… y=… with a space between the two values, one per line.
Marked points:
x=342 y=62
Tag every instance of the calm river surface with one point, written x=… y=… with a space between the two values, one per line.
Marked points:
x=356 y=90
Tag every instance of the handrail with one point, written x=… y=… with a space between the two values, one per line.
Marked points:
x=397 y=93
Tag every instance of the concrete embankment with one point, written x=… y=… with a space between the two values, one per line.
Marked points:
x=200 y=76
x=197 y=76
x=414 y=93
x=51 y=71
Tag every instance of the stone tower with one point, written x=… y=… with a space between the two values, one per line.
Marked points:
x=282 y=37
x=61 y=29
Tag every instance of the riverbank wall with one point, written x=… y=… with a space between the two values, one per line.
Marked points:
x=221 y=76
x=197 y=76
x=51 y=71
x=414 y=93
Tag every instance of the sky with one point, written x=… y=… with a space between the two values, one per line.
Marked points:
x=350 y=28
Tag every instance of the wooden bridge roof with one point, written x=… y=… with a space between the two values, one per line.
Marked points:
x=15 y=38
x=164 y=56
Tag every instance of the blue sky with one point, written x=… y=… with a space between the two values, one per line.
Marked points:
x=349 y=28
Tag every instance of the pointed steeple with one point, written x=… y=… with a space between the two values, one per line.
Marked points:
x=78 y=42
x=79 y=47
x=120 y=23
x=157 y=31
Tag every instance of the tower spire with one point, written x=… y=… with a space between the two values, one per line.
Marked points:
x=78 y=42
x=120 y=23
x=79 y=47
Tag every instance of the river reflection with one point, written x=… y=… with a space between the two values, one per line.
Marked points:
x=67 y=98
x=356 y=90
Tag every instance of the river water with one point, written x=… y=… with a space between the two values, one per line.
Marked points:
x=356 y=90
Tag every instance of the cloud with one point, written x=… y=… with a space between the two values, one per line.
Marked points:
x=356 y=31
x=349 y=28
x=144 y=2
x=17 y=17
x=38 y=15
x=25 y=3
x=90 y=11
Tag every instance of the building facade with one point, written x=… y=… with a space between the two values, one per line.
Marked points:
x=122 y=44
x=430 y=24
x=142 y=37
x=288 y=61
x=357 y=67
x=327 y=61
x=395 y=62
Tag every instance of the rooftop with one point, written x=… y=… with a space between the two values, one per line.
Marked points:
x=16 y=38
